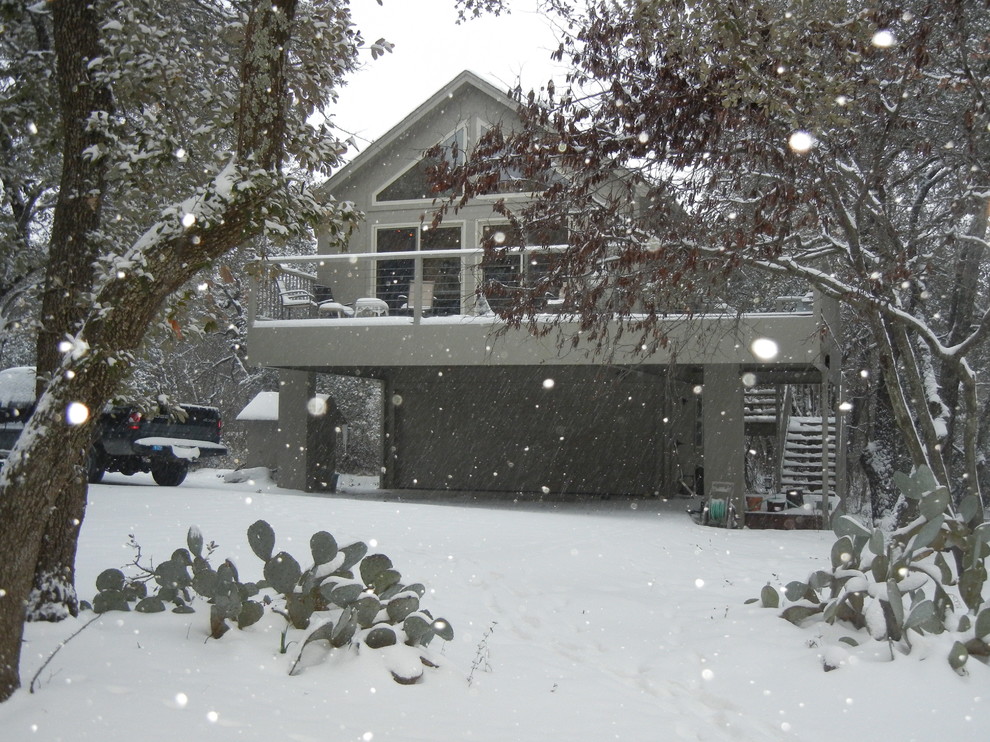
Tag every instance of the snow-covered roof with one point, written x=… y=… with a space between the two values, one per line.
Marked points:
x=264 y=406
x=17 y=386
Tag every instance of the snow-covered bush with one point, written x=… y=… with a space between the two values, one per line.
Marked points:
x=347 y=597
x=889 y=585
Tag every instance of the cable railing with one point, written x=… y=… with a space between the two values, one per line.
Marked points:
x=416 y=284
x=408 y=283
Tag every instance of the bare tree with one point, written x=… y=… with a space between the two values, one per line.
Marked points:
x=841 y=145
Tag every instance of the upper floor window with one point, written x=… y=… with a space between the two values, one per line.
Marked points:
x=414 y=184
x=399 y=239
x=394 y=276
x=512 y=180
x=506 y=267
x=533 y=235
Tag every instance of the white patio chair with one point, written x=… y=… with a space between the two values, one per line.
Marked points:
x=293 y=299
x=426 y=303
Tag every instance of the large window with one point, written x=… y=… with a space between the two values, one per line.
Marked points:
x=509 y=268
x=512 y=180
x=395 y=276
x=414 y=184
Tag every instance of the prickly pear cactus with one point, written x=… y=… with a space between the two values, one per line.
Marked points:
x=346 y=597
x=891 y=586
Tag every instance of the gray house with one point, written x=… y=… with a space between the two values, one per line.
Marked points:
x=469 y=406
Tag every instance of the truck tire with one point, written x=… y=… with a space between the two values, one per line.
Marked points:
x=94 y=467
x=169 y=473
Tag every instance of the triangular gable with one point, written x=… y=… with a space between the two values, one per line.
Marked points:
x=438 y=99
x=413 y=183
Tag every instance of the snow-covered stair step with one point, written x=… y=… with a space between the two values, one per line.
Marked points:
x=801 y=465
x=760 y=405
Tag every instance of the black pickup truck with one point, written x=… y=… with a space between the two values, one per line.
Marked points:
x=164 y=445
x=126 y=441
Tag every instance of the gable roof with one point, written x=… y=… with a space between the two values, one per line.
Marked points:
x=464 y=79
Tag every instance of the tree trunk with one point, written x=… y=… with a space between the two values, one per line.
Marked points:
x=899 y=406
x=959 y=397
x=981 y=443
x=32 y=478
x=881 y=457
x=76 y=29
x=911 y=370
x=39 y=469
x=53 y=595
x=71 y=254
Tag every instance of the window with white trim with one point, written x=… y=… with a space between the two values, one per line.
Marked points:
x=414 y=184
x=394 y=276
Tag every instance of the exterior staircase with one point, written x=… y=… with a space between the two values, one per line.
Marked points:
x=801 y=459
x=761 y=409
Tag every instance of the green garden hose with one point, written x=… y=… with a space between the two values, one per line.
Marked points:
x=717 y=510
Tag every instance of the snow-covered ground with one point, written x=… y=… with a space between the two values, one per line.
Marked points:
x=598 y=620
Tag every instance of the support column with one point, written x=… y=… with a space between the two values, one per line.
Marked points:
x=390 y=454
x=724 y=432
x=296 y=388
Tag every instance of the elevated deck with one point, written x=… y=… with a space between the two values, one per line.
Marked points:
x=304 y=336
x=482 y=341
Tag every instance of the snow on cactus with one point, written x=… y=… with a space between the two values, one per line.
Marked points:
x=906 y=583
x=346 y=598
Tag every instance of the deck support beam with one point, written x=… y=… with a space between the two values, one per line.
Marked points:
x=296 y=388
x=724 y=436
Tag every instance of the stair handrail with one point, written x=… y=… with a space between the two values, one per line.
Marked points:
x=783 y=423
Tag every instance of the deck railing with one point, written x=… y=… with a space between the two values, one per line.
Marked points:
x=412 y=283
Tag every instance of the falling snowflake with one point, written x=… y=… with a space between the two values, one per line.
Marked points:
x=764 y=348
x=801 y=142
x=316 y=407
x=75 y=347
x=76 y=413
x=883 y=39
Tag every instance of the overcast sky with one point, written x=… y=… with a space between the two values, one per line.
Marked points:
x=430 y=50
